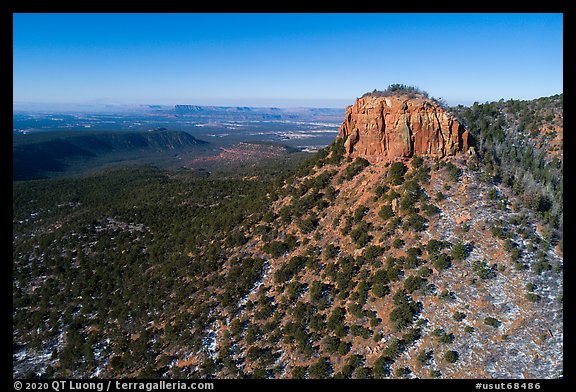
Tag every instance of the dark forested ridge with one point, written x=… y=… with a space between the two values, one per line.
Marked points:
x=521 y=147
x=36 y=155
x=330 y=267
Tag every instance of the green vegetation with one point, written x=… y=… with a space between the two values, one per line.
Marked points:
x=152 y=250
x=442 y=336
x=355 y=168
x=458 y=316
x=524 y=164
x=386 y=212
x=380 y=290
x=424 y=357
x=360 y=234
x=397 y=88
x=404 y=313
x=398 y=243
x=140 y=268
x=413 y=283
x=483 y=270
x=451 y=356
x=491 y=321
x=331 y=251
x=288 y=270
x=533 y=297
x=396 y=173
x=459 y=251
x=469 y=329
x=320 y=369
x=442 y=261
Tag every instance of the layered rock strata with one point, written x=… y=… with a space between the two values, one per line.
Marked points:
x=387 y=128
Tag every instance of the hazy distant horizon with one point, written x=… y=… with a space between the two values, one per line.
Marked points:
x=262 y=103
x=277 y=103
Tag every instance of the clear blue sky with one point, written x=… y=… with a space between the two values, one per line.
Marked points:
x=283 y=59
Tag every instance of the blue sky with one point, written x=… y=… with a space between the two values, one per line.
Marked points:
x=283 y=59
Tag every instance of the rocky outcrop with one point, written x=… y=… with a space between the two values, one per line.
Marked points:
x=386 y=128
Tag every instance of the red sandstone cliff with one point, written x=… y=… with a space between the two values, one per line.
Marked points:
x=385 y=128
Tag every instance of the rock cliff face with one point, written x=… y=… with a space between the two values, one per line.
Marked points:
x=386 y=128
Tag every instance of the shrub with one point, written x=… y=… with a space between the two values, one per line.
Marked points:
x=405 y=311
x=417 y=161
x=331 y=251
x=360 y=234
x=386 y=212
x=430 y=209
x=459 y=251
x=381 y=367
x=411 y=336
x=355 y=360
x=372 y=252
x=397 y=171
x=451 y=356
x=299 y=372
x=416 y=222
x=288 y=270
x=393 y=349
x=398 y=243
x=337 y=151
x=331 y=344
x=307 y=225
x=359 y=213
x=533 y=297
x=394 y=273
x=443 y=337
x=380 y=277
x=320 y=369
x=275 y=248
x=355 y=168
x=358 y=330
x=458 y=316
x=541 y=266
x=381 y=190
x=402 y=371
x=515 y=254
x=483 y=270
x=413 y=283
x=343 y=348
x=380 y=290
x=491 y=321
x=363 y=372
x=442 y=262
x=445 y=294
x=453 y=171
x=469 y=329
x=435 y=246
x=425 y=272
x=424 y=357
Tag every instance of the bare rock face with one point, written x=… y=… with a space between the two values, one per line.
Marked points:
x=385 y=128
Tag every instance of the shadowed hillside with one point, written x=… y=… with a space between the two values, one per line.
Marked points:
x=36 y=155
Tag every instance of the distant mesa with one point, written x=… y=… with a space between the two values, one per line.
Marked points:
x=382 y=126
x=247 y=113
x=184 y=109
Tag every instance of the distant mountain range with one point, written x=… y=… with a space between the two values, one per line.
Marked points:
x=260 y=113
x=232 y=112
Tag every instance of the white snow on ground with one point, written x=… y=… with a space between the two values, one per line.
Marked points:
x=515 y=349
